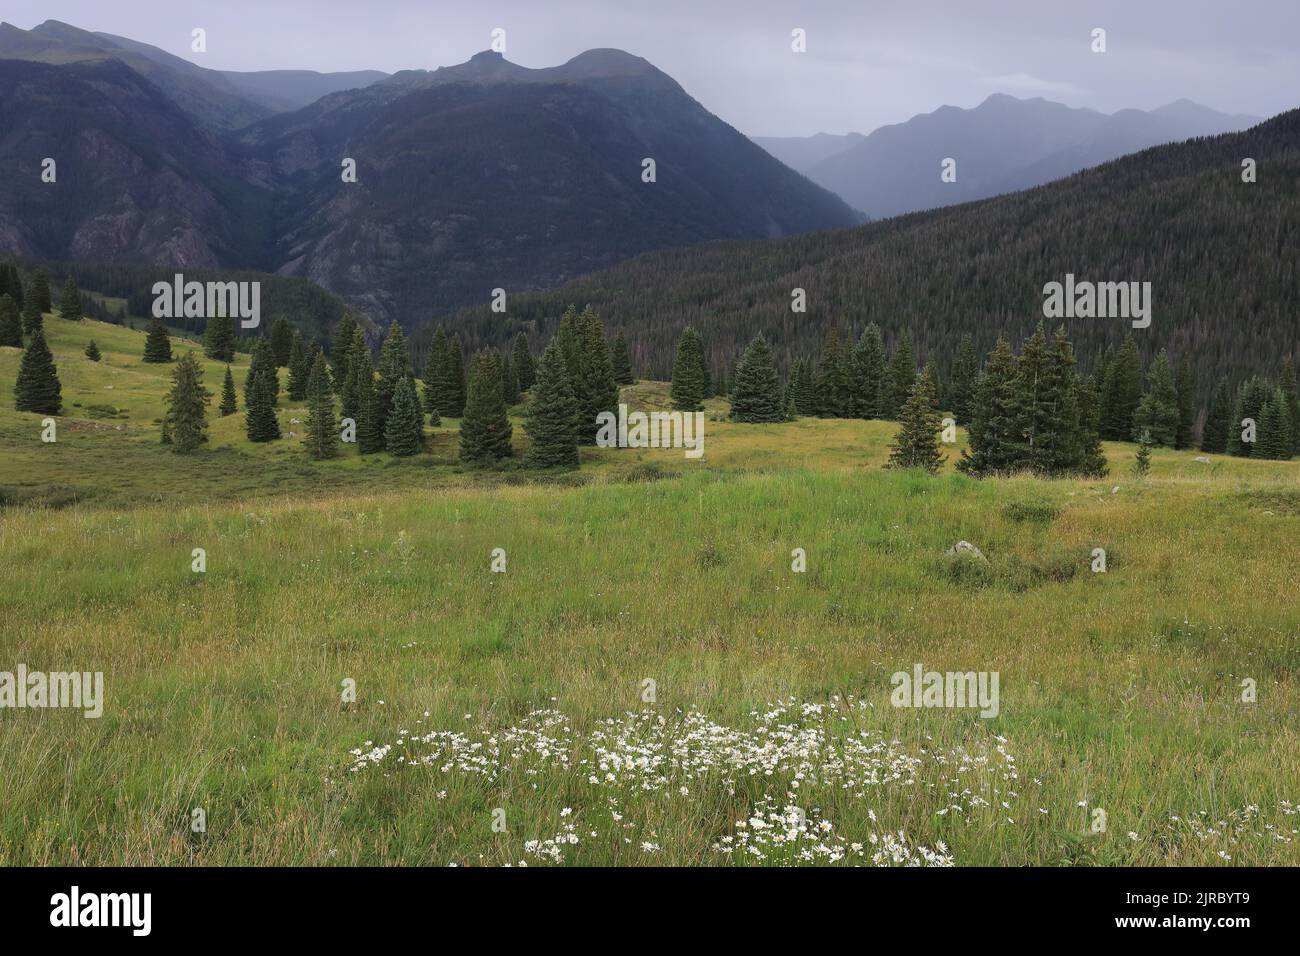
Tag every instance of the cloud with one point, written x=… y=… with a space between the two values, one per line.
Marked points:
x=1025 y=83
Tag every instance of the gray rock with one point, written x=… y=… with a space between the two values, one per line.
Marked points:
x=965 y=547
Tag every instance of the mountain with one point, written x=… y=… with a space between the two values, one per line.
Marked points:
x=802 y=153
x=1000 y=146
x=490 y=175
x=219 y=99
x=1219 y=253
x=136 y=179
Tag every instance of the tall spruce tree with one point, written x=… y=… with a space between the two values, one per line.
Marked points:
x=1185 y=386
x=1214 y=436
x=917 y=443
x=993 y=426
x=599 y=392
x=456 y=368
x=1274 y=441
x=342 y=348
x=1251 y=396
x=833 y=381
x=282 y=342
x=756 y=394
x=37 y=387
x=689 y=385
x=11 y=325
x=394 y=366
x=70 y=302
x=185 y=422
x=522 y=360
x=260 y=422
x=550 y=418
x=322 y=437
x=622 y=361
x=1291 y=395
x=1033 y=396
x=1121 y=392
x=899 y=379
x=1091 y=458
x=219 y=340
x=157 y=346
x=965 y=369
x=1157 y=412
x=31 y=313
x=363 y=398
x=301 y=367
x=228 y=404
x=262 y=360
x=404 y=428
x=485 y=428
x=41 y=290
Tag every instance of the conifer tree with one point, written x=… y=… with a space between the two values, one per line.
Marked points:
x=282 y=342
x=361 y=386
x=342 y=349
x=550 y=418
x=689 y=385
x=1121 y=392
x=522 y=360
x=509 y=381
x=404 y=428
x=394 y=366
x=1157 y=412
x=157 y=346
x=37 y=387
x=1291 y=396
x=301 y=367
x=41 y=292
x=1185 y=386
x=228 y=404
x=322 y=437
x=1091 y=461
x=219 y=339
x=434 y=418
x=1252 y=394
x=92 y=351
x=11 y=325
x=1274 y=442
x=756 y=394
x=993 y=425
x=31 y=313
x=900 y=378
x=456 y=365
x=833 y=379
x=917 y=443
x=868 y=373
x=1142 y=460
x=793 y=389
x=1214 y=436
x=70 y=303
x=806 y=395
x=185 y=423
x=965 y=369
x=262 y=360
x=1032 y=394
x=622 y=361
x=599 y=393
x=484 y=429
x=260 y=422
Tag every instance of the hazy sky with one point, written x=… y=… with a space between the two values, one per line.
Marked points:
x=868 y=62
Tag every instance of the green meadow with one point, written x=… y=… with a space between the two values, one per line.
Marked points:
x=648 y=682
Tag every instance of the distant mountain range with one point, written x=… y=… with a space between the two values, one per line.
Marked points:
x=1002 y=145
x=1219 y=254
x=469 y=178
x=220 y=99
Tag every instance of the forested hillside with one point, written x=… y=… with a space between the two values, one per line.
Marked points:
x=1220 y=254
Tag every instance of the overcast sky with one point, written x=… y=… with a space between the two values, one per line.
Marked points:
x=868 y=62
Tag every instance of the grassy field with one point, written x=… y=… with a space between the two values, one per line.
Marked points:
x=507 y=718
